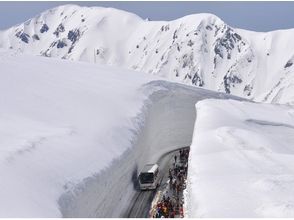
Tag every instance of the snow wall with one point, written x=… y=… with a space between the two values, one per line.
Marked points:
x=166 y=123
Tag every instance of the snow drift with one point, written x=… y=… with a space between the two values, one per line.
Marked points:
x=241 y=161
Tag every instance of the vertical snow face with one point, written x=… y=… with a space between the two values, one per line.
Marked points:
x=71 y=131
x=241 y=164
x=199 y=50
x=61 y=122
x=166 y=124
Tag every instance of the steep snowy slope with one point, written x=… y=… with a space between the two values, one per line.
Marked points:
x=197 y=50
x=275 y=58
x=241 y=160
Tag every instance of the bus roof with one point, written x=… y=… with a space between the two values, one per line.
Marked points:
x=149 y=168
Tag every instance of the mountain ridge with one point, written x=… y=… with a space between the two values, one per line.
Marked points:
x=198 y=49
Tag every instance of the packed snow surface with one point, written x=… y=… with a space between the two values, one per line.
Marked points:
x=241 y=160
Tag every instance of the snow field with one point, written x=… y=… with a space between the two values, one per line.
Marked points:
x=241 y=161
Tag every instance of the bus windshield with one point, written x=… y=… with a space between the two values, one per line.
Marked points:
x=146 y=178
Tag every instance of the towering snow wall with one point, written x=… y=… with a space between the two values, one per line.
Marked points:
x=74 y=135
x=241 y=161
x=165 y=124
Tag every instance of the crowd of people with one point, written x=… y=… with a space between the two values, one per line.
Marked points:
x=171 y=203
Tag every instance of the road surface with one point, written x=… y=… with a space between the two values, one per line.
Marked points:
x=141 y=202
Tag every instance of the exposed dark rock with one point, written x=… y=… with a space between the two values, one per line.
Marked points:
x=61 y=44
x=53 y=44
x=247 y=90
x=229 y=81
x=188 y=76
x=23 y=36
x=18 y=33
x=188 y=60
x=197 y=80
x=226 y=43
x=74 y=35
x=175 y=36
x=36 y=37
x=59 y=30
x=70 y=49
x=288 y=64
x=190 y=43
x=237 y=36
x=218 y=51
x=44 y=28
x=166 y=27
x=46 y=53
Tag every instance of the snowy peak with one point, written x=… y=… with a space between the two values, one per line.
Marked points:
x=63 y=26
x=199 y=49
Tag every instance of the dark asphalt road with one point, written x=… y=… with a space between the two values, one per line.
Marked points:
x=141 y=202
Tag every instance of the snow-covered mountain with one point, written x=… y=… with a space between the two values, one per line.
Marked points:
x=199 y=50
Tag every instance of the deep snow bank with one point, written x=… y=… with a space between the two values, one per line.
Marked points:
x=61 y=122
x=74 y=135
x=241 y=161
x=166 y=123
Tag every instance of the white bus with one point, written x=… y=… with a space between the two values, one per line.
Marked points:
x=149 y=177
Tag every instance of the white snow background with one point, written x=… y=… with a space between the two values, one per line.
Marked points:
x=241 y=160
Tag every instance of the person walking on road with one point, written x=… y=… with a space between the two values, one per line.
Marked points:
x=175 y=158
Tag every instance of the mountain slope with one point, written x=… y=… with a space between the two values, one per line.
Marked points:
x=198 y=50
